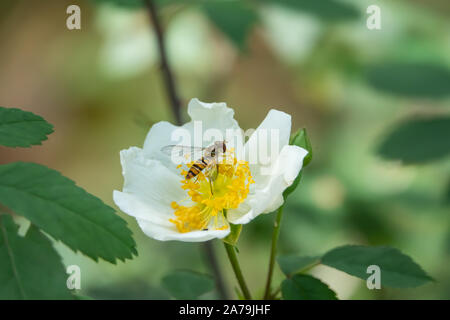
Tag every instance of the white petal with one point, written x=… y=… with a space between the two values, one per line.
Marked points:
x=210 y=122
x=267 y=198
x=160 y=135
x=149 y=187
x=214 y=115
x=165 y=234
x=136 y=207
x=266 y=143
x=217 y=121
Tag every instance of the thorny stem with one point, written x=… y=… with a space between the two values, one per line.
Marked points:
x=273 y=251
x=237 y=270
x=176 y=110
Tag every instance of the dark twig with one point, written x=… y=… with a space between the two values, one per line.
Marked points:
x=176 y=109
x=212 y=259
x=166 y=70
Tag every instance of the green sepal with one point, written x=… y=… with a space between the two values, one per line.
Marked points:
x=235 y=232
x=300 y=139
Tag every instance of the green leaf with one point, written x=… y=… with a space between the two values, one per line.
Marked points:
x=328 y=10
x=235 y=232
x=30 y=268
x=293 y=264
x=300 y=139
x=234 y=18
x=412 y=80
x=20 y=128
x=397 y=269
x=66 y=212
x=187 y=285
x=305 y=287
x=129 y=4
x=418 y=140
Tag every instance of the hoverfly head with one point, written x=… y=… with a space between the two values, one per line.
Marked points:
x=220 y=147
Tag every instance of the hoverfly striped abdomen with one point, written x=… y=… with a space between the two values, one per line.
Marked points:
x=196 y=168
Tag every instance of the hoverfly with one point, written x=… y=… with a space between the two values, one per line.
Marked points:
x=208 y=161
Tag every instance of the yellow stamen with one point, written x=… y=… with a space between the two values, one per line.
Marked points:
x=230 y=187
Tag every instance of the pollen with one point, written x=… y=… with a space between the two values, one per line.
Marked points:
x=210 y=195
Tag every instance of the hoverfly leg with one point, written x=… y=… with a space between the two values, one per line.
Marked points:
x=210 y=185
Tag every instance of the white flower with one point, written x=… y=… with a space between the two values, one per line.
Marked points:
x=167 y=207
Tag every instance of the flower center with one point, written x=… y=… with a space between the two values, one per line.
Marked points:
x=224 y=187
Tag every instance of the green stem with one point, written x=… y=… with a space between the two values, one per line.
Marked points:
x=237 y=270
x=273 y=251
x=309 y=267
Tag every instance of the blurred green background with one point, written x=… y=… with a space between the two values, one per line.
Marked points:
x=350 y=87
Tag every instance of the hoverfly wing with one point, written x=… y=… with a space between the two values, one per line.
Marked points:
x=209 y=169
x=188 y=152
x=170 y=149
